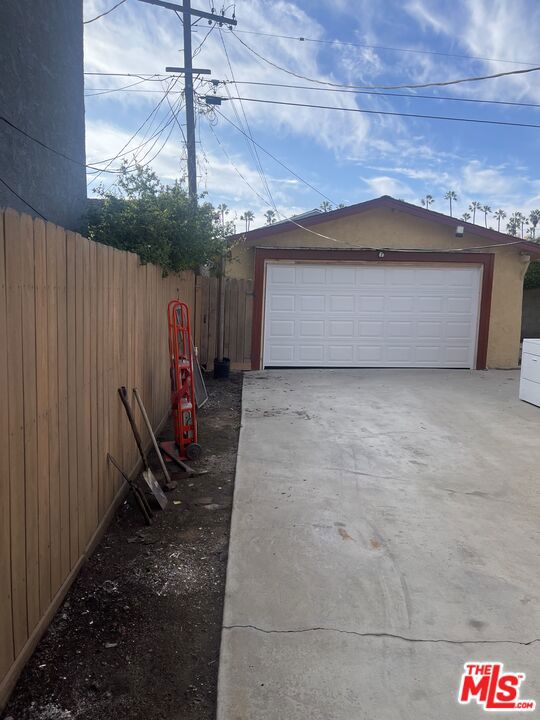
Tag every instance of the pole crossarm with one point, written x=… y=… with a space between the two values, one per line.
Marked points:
x=199 y=13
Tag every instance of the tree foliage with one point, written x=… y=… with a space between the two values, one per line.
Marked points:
x=532 y=276
x=157 y=221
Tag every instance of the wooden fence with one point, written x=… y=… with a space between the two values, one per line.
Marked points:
x=237 y=320
x=77 y=321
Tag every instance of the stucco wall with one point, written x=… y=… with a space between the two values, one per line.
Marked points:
x=530 y=327
x=42 y=92
x=385 y=228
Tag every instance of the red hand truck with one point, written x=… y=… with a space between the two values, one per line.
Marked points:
x=185 y=444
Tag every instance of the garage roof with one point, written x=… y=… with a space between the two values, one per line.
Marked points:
x=389 y=203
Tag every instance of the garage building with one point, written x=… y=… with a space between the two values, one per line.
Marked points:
x=383 y=284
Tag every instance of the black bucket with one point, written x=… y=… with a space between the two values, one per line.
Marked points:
x=222 y=368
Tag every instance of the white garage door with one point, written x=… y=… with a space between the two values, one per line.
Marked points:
x=370 y=316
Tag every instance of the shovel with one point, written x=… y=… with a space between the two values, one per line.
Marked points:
x=138 y=494
x=147 y=473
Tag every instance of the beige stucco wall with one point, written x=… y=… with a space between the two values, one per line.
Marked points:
x=387 y=228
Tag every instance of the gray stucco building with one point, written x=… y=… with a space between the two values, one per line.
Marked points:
x=42 y=93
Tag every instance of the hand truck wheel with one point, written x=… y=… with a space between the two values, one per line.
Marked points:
x=193 y=451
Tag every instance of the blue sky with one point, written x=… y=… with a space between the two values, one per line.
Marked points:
x=348 y=156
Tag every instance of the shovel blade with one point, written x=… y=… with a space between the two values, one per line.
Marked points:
x=153 y=486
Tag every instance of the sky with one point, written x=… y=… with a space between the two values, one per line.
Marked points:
x=334 y=155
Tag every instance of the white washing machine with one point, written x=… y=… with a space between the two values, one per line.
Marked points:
x=529 y=387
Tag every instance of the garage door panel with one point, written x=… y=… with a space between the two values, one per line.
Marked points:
x=342 y=303
x=311 y=303
x=311 y=328
x=312 y=275
x=311 y=353
x=281 y=303
x=370 y=316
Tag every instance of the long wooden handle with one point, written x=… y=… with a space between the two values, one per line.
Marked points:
x=151 y=433
x=124 y=398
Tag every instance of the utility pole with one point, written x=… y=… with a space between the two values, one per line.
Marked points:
x=188 y=71
x=190 y=111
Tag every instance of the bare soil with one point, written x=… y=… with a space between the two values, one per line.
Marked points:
x=139 y=632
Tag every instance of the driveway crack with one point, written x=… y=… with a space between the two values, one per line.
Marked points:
x=392 y=636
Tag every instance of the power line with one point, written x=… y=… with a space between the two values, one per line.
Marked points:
x=146 y=120
x=387 y=112
x=385 y=47
x=47 y=147
x=249 y=137
x=142 y=76
x=87 y=22
x=106 y=91
x=280 y=162
x=21 y=198
x=383 y=87
x=384 y=94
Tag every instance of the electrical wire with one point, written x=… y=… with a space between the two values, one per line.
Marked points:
x=106 y=91
x=280 y=162
x=21 y=198
x=384 y=47
x=48 y=147
x=387 y=112
x=142 y=76
x=404 y=86
x=145 y=121
x=384 y=94
x=87 y=22
x=252 y=148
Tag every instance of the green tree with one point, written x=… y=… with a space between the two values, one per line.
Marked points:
x=514 y=225
x=427 y=201
x=466 y=216
x=270 y=216
x=473 y=207
x=534 y=219
x=532 y=276
x=451 y=196
x=156 y=221
x=499 y=215
x=223 y=210
x=326 y=206
x=248 y=218
x=485 y=209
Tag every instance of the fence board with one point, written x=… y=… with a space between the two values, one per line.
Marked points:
x=14 y=278
x=30 y=420
x=63 y=443
x=54 y=449
x=71 y=355
x=42 y=412
x=6 y=623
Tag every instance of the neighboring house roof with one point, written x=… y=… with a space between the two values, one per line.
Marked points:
x=388 y=203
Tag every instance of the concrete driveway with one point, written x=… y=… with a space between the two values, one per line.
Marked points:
x=385 y=532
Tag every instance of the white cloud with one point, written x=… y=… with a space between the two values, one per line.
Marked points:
x=386 y=185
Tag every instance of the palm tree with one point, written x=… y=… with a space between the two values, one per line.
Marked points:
x=534 y=219
x=499 y=215
x=524 y=222
x=248 y=218
x=473 y=207
x=427 y=201
x=485 y=209
x=514 y=224
x=466 y=216
x=326 y=206
x=270 y=216
x=223 y=210
x=451 y=195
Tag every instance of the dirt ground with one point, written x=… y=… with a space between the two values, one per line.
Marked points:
x=139 y=632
